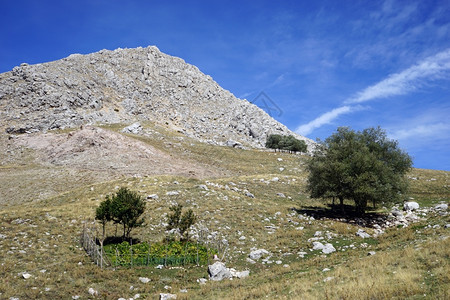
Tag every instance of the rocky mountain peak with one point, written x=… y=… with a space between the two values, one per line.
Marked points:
x=128 y=85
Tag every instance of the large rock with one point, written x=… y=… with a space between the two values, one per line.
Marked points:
x=218 y=271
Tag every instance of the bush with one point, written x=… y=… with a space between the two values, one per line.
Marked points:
x=181 y=222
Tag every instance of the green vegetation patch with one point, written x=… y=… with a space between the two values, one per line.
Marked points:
x=175 y=253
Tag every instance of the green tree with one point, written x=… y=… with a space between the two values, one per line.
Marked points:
x=273 y=141
x=103 y=213
x=125 y=207
x=288 y=143
x=359 y=166
x=181 y=222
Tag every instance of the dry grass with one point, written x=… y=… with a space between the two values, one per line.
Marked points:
x=410 y=263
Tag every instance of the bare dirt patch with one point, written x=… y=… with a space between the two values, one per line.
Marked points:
x=93 y=148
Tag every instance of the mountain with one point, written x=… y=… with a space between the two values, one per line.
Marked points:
x=129 y=85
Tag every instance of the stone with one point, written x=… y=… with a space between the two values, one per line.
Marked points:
x=257 y=254
x=173 y=193
x=167 y=296
x=202 y=280
x=242 y=274
x=441 y=206
x=2 y=236
x=134 y=128
x=362 y=233
x=153 y=196
x=218 y=271
x=92 y=292
x=410 y=205
x=248 y=194
x=370 y=253
x=26 y=275
x=281 y=195
x=396 y=212
x=328 y=248
x=159 y=267
x=318 y=246
x=144 y=279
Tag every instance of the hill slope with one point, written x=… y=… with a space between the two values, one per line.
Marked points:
x=126 y=85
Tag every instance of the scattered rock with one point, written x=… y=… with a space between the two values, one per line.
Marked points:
x=248 y=194
x=281 y=195
x=218 y=271
x=166 y=296
x=144 y=279
x=173 y=193
x=153 y=196
x=26 y=275
x=441 y=206
x=2 y=236
x=396 y=212
x=318 y=246
x=203 y=187
x=202 y=280
x=134 y=128
x=251 y=260
x=159 y=267
x=411 y=205
x=328 y=279
x=370 y=253
x=362 y=233
x=257 y=254
x=328 y=248
x=92 y=292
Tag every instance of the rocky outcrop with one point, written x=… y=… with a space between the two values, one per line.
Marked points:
x=127 y=86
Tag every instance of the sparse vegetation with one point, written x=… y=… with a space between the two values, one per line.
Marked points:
x=180 y=222
x=410 y=262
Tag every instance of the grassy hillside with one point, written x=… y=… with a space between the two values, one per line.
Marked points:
x=42 y=217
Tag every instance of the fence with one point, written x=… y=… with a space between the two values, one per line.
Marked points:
x=202 y=251
x=88 y=241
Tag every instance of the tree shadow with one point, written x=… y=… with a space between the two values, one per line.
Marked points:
x=345 y=213
x=117 y=240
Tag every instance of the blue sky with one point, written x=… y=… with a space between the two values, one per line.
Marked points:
x=322 y=64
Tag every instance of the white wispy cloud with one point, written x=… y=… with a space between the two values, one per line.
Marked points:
x=440 y=129
x=407 y=81
x=325 y=118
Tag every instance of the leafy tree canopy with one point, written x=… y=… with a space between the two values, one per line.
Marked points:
x=125 y=207
x=289 y=143
x=359 y=166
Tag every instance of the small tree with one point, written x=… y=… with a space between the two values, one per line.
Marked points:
x=103 y=213
x=359 y=166
x=125 y=207
x=181 y=222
